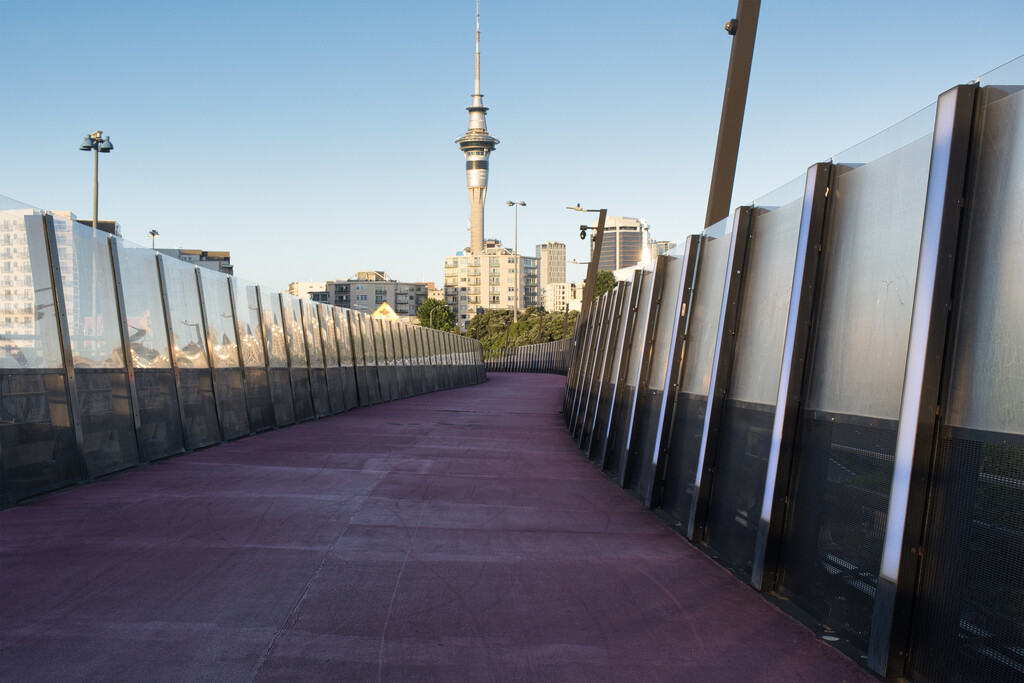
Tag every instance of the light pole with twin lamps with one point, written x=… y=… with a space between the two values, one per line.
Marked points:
x=96 y=143
x=515 y=248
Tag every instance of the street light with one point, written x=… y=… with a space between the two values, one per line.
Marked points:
x=96 y=143
x=154 y=234
x=588 y=288
x=515 y=248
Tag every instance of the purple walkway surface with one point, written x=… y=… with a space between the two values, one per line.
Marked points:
x=453 y=536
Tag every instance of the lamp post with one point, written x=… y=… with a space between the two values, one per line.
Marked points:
x=515 y=248
x=154 y=234
x=96 y=143
x=588 y=288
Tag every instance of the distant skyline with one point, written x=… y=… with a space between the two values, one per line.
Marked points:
x=313 y=139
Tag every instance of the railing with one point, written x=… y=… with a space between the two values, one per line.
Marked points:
x=552 y=357
x=827 y=390
x=113 y=356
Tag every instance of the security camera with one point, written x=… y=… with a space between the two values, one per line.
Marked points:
x=583 y=234
x=731 y=26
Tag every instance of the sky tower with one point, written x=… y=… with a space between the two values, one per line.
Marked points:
x=477 y=144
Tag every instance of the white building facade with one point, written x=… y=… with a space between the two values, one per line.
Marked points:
x=474 y=283
x=557 y=295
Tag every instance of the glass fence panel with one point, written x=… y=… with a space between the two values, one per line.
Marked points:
x=369 y=385
x=299 y=374
x=698 y=355
x=358 y=352
x=346 y=357
x=88 y=279
x=385 y=360
x=37 y=443
x=988 y=378
x=341 y=326
x=273 y=327
x=764 y=308
x=189 y=343
x=609 y=397
x=185 y=312
x=317 y=372
x=391 y=342
x=311 y=326
x=219 y=321
x=649 y=420
x=278 y=374
x=666 y=320
x=377 y=339
x=847 y=434
x=247 y=308
x=147 y=327
x=868 y=295
x=292 y=308
x=366 y=334
x=629 y=399
x=325 y=322
x=160 y=419
x=256 y=378
x=707 y=307
x=228 y=382
x=971 y=601
x=104 y=407
x=29 y=338
x=744 y=440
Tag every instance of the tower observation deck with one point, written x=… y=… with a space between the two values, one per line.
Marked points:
x=477 y=145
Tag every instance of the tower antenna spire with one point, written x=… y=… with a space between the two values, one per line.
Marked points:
x=476 y=89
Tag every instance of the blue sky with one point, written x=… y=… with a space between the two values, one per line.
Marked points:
x=313 y=139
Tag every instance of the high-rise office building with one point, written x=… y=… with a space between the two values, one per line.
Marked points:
x=477 y=144
x=625 y=243
x=550 y=263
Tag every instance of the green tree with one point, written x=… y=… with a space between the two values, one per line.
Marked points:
x=604 y=282
x=436 y=314
x=495 y=330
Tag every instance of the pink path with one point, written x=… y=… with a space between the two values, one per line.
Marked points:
x=453 y=536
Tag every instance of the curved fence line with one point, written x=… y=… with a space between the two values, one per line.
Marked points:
x=551 y=357
x=113 y=356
